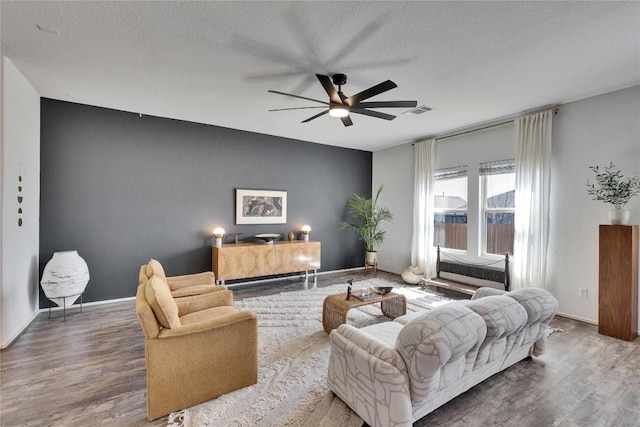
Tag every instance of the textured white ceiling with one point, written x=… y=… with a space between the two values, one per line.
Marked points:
x=213 y=62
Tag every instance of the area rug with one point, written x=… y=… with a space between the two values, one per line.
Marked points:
x=293 y=355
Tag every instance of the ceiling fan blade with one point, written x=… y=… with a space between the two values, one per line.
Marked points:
x=329 y=88
x=316 y=116
x=385 y=104
x=375 y=114
x=298 y=96
x=294 y=108
x=346 y=121
x=372 y=91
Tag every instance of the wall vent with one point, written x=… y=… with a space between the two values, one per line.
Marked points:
x=418 y=110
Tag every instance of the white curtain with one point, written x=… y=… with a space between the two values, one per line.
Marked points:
x=422 y=250
x=533 y=180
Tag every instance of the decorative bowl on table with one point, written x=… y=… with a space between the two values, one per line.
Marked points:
x=268 y=238
x=383 y=290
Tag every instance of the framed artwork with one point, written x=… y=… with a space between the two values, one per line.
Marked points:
x=261 y=207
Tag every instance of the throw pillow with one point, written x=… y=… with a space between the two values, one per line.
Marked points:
x=162 y=303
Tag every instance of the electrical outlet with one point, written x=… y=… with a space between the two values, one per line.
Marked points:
x=583 y=292
x=393 y=257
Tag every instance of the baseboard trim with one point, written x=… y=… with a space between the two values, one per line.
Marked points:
x=582 y=319
x=87 y=304
x=21 y=331
x=578 y=318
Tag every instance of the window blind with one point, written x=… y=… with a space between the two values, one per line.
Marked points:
x=498 y=167
x=451 y=173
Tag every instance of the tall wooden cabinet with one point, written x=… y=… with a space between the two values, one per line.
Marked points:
x=618 y=282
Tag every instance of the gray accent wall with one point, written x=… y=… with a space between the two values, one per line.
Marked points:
x=121 y=189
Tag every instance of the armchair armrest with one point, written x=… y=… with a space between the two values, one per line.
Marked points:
x=190 y=304
x=205 y=278
x=370 y=377
x=227 y=321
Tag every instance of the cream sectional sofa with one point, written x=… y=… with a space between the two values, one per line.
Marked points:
x=394 y=373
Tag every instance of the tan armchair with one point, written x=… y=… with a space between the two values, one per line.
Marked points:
x=196 y=348
x=181 y=286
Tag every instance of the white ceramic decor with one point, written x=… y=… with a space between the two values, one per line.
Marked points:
x=619 y=216
x=65 y=277
x=413 y=275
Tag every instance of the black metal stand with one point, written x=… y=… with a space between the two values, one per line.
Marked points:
x=64 y=306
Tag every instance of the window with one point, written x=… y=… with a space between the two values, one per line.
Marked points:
x=498 y=185
x=450 y=206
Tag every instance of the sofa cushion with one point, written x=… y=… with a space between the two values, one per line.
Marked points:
x=162 y=303
x=439 y=347
x=504 y=318
x=409 y=317
x=387 y=332
x=154 y=268
x=539 y=303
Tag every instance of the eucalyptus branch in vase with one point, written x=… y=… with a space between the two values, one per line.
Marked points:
x=612 y=187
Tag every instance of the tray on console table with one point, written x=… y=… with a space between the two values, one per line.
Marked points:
x=245 y=260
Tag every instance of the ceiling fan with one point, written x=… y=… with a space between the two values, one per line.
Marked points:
x=340 y=105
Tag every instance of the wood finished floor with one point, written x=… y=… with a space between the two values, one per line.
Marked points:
x=89 y=371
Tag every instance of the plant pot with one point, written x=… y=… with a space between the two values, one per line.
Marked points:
x=371 y=257
x=619 y=216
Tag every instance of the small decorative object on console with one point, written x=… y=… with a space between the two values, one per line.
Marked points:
x=218 y=233
x=306 y=229
x=268 y=238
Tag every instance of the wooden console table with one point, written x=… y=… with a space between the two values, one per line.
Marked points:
x=244 y=260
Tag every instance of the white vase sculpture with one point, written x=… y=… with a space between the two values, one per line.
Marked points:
x=65 y=277
x=413 y=275
x=619 y=216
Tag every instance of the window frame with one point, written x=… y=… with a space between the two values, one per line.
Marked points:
x=487 y=169
x=447 y=174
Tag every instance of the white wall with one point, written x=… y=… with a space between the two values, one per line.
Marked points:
x=393 y=168
x=20 y=244
x=589 y=132
x=586 y=132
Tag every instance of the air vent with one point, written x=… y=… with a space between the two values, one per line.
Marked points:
x=418 y=110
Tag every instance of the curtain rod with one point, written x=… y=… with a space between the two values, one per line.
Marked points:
x=506 y=122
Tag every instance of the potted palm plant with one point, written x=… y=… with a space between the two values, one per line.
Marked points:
x=612 y=187
x=368 y=216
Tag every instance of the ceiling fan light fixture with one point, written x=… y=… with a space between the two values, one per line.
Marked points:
x=338 y=110
x=342 y=106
